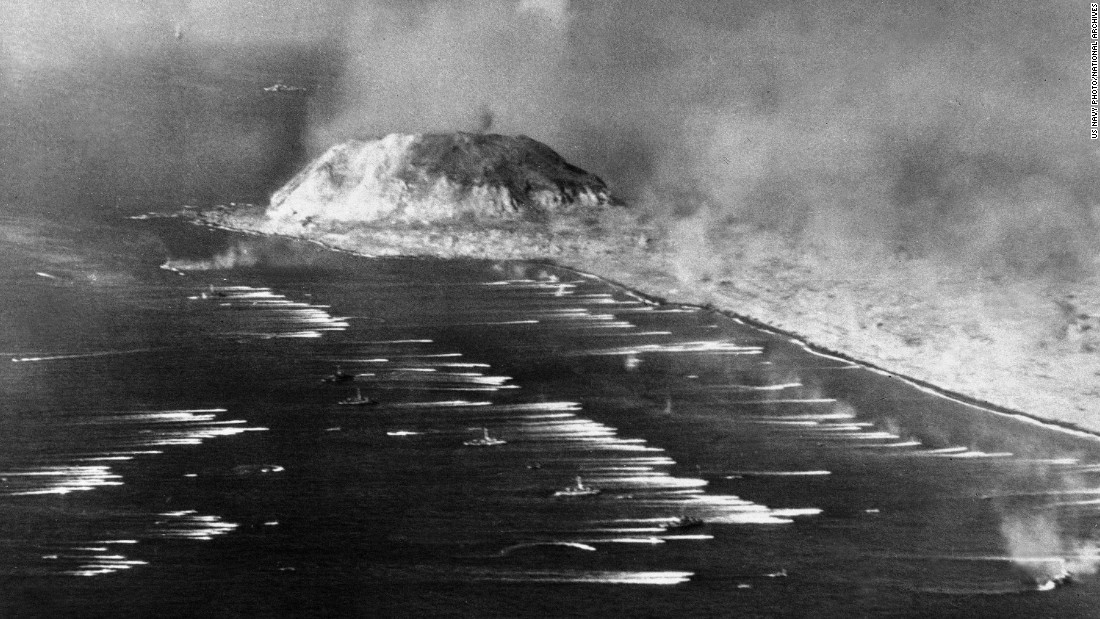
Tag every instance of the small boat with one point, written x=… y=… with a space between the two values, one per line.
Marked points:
x=213 y=293
x=1053 y=581
x=485 y=440
x=577 y=489
x=358 y=400
x=339 y=376
x=684 y=523
x=246 y=470
x=281 y=87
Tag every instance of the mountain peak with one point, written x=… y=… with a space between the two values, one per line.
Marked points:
x=431 y=177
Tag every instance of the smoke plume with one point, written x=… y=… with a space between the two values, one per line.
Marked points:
x=953 y=129
x=942 y=128
x=1043 y=551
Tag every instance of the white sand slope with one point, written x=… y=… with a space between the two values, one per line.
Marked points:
x=436 y=177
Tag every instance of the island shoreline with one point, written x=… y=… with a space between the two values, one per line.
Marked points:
x=215 y=222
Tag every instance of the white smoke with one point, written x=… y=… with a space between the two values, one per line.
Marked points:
x=241 y=255
x=1043 y=550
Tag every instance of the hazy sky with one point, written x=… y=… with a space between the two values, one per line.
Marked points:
x=930 y=126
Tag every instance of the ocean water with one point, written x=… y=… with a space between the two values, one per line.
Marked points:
x=171 y=447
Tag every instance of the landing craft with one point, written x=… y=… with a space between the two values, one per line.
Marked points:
x=339 y=376
x=357 y=400
x=577 y=489
x=281 y=87
x=1061 y=579
x=684 y=523
x=1058 y=577
x=485 y=440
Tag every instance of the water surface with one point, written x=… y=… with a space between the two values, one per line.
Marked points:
x=172 y=447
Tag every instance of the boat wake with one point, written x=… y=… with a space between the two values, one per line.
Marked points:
x=529 y=545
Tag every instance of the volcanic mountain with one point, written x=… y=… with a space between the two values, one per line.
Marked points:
x=416 y=178
x=1022 y=344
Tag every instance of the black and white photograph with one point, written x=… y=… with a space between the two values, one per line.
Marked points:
x=549 y=308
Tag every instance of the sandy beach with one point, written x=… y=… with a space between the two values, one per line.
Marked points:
x=1024 y=345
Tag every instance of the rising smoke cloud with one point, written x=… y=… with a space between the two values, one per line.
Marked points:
x=932 y=128
x=917 y=129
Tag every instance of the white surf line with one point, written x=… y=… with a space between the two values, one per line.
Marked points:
x=607 y=326
x=947 y=450
x=407 y=341
x=1083 y=468
x=1016 y=416
x=183 y=414
x=525 y=545
x=189 y=524
x=785 y=401
x=844 y=427
x=653 y=578
x=780 y=422
x=275 y=316
x=61 y=479
x=984 y=558
x=852 y=364
x=975 y=455
x=441 y=404
x=70 y=472
x=435 y=376
x=1046 y=461
x=810 y=473
x=402 y=384
x=421 y=360
x=632 y=334
x=1082 y=503
x=648 y=486
x=98 y=564
x=102 y=353
x=607 y=462
x=515 y=283
x=652 y=541
x=795 y=512
x=868 y=436
x=735 y=387
x=398 y=370
x=556 y=426
x=966 y=453
x=1043 y=461
x=724 y=347
x=807 y=417
x=490 y=323
x=653 y=309
x=808 y=348
x=1042 y=493
x=898 y=444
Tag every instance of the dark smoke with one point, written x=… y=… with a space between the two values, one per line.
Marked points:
x=485 y=121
